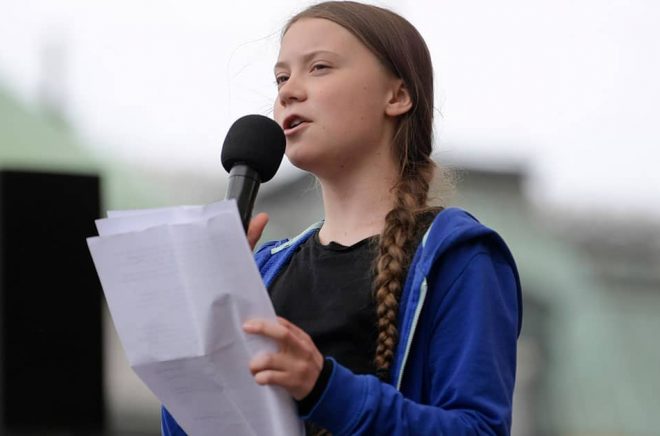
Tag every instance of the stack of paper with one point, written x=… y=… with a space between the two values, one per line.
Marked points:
x=179 y=283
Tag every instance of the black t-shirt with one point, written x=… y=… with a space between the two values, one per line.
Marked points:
x=326 y=290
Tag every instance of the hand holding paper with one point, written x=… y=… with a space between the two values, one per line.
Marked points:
x=180 y=282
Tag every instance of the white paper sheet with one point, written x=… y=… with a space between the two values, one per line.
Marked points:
x=179 y=283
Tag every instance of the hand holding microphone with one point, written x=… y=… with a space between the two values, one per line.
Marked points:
x=256 y=228
x=251 y=154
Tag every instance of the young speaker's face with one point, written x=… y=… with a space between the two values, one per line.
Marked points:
x=332 y=94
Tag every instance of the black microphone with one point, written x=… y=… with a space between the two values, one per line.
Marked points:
x=251 y=154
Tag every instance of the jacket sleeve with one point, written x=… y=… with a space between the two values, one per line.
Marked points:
x=471 y=365
x=168 y=426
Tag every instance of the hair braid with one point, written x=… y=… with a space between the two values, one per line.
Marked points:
x=392 y=262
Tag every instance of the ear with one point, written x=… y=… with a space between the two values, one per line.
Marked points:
x=399 y=100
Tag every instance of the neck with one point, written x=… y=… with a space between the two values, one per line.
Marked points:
x=357 y=201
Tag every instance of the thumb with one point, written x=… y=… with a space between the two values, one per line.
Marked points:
x=256 y=228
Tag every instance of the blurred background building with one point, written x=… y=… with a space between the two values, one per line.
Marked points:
x=546 y=115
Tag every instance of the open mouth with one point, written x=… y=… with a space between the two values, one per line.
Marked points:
x=294 y=123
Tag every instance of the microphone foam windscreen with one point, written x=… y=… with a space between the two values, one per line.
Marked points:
x=255 y=141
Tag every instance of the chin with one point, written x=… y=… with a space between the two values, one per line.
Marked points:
x=301 y=164
x=298 y=157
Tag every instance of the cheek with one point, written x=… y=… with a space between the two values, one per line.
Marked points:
x=351 y=106
x=276 y=111
x=362 y=111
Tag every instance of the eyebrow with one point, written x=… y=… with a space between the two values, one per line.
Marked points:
x=306 y=57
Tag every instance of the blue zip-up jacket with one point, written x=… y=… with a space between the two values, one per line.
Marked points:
x=459 y=319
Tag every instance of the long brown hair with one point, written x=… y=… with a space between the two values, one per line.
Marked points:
x=402 y=50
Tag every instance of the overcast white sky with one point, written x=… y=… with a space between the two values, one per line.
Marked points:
x=567 y=87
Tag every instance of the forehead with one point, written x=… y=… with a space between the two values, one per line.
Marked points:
x=317 y=34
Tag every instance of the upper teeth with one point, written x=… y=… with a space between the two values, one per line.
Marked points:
x=294 y=123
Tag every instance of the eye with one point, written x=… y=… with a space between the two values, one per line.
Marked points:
x=317 y=67
x=279 y=80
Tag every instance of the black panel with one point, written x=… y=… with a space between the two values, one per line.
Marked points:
x=51 y=374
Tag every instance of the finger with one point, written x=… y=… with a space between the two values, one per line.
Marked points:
x=285 y=379
x=272 y=377
x=256 y=228
x=297 y=331
x=269 y=361
x=269 y=329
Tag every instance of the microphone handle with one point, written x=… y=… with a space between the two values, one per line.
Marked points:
x=243 y=187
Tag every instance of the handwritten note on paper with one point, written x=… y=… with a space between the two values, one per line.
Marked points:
x=179 y=283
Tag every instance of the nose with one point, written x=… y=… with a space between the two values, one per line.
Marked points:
x=292 y=90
